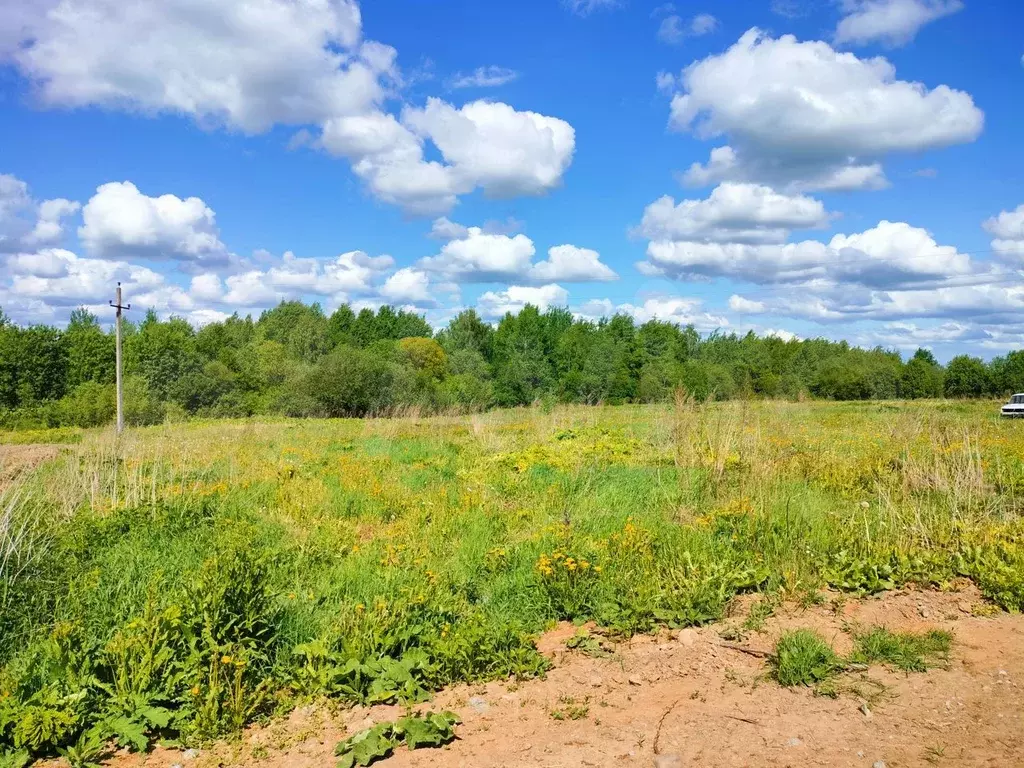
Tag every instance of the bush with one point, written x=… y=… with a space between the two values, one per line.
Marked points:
x=90 y=404
x=141 y=407
x=355 y=382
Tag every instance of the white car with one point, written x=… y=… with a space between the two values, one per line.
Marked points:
x=1014 y=408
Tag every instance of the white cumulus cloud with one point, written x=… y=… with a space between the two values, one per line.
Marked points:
x=119 y=220
x=246 y=64
x=252 y=64
x=351 y=274
x=890 y=22
x=734 y=212
x=408 y=286
x=487 y=145
x=63 y=279
x=804 y=115
x=1008 y=230
x=27 y=224
x=496 y=304
x=491 y=145
x=890 y=254
x=570 y=264
x=481 y=255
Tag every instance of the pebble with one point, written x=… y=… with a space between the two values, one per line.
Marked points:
x=634 y=680
x=191 y=754
x=668 y=761
x=177 y=765
x=596 y=681
x=865 y=710
x=865 y=504
x=878 y=764
x=794 y=742
x=688 y=637
x=479 y=705
x=861 y=753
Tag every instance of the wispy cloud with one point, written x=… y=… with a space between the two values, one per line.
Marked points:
x=483 y=77
x=674 y=29
x=587 y=7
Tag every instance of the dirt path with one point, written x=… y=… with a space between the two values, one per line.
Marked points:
x=685 y=699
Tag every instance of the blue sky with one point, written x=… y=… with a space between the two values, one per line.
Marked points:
x=224 y=156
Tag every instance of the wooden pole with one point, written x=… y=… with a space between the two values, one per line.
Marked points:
x=117 y=356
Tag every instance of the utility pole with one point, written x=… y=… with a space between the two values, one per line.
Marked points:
x=120 y=390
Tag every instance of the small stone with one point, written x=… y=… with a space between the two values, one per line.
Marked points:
x=191 y=754
x=634 y=680
x=479 y=705
x=177 y=765
x=865 y=504
x=596 y=681
x=688 y=637
x=861 y=753
x=794 y=742
x=668 y=761
x=1002 y=673
x=878 y=764
x=925 y=613
x=865 y=710
x=965 y=607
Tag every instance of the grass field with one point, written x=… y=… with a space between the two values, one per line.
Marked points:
x=195 y=577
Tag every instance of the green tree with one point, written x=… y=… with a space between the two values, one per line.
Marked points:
x=162 y=352
x=300 y=328
x=1008 y=373
x=467 y=331
x=339 y=326
x=91 y=353
x=522 y=370
x=921 y=377
x=966 y=377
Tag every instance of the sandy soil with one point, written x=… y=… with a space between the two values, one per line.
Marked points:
x=691 y=698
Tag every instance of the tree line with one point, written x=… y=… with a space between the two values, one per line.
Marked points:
x=295 y=360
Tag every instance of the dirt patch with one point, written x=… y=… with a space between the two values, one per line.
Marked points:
x=691 y=698
x=15 y=459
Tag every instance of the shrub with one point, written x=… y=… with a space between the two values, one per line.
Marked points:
x=90 y=404
x=354 y=382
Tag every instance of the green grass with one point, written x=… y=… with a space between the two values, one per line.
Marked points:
x=804 y=657
x=380 y=560
x=907 y=651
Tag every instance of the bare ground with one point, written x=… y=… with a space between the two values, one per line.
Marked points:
x=15 y=459
x=690 y=698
